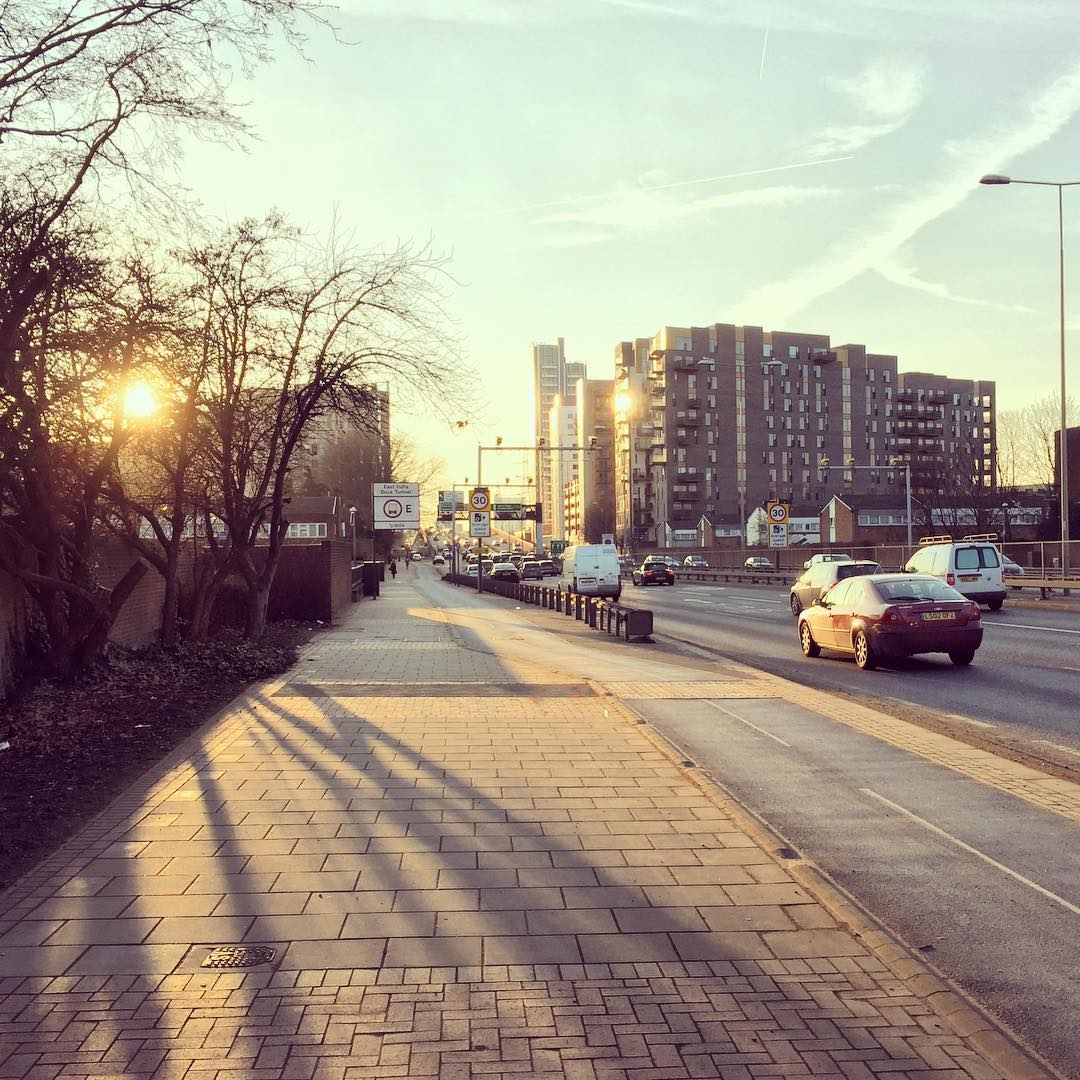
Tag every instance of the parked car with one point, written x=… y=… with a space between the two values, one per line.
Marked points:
x=626 y=563
x=892 y=615
x=549 y=568
x=654 y=571
x=517 y=559
x=438 y=561
x=825 y=556
x=972 y=566
x=530 y=568
x=672 y=562
x=758 y=562
x=505 y=571
x=593 y=570
x=823 y=576
x=695 y=562
x=417 y=557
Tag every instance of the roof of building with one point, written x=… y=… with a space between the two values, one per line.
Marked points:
x=311 y=504
x=869 y=502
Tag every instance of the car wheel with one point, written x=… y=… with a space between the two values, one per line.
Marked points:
x=995 y=605
x=796 y=607
x=962 y=657
x=865 y=657
x=806 y=639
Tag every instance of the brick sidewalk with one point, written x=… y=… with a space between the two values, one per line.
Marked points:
x=466 y=867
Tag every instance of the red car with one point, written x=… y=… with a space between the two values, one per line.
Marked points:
x=654 y=571
x=892 y=615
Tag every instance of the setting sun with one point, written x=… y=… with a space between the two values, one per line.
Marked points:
x=139 y=401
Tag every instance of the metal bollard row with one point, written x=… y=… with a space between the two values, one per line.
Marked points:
x=608 y=616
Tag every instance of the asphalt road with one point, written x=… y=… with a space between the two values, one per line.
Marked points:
x=1023 y=689
x=986 y=886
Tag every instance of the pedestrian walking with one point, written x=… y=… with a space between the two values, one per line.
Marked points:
x=393 y=569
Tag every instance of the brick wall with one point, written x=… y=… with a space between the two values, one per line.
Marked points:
x=339 y=566
x=139 y=620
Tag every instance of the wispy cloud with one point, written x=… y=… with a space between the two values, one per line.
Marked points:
x=884 y=96
x=697 y=181
x=635 y=210
x=1045 y=114
x=900 y=270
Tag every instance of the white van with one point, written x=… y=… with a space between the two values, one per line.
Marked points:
x=593 y=570
x=972 y=566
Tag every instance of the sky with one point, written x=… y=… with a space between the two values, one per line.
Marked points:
x=597 y=169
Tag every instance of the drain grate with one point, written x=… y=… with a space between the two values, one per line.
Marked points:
x=238 y=956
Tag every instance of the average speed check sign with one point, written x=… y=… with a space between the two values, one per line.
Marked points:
x=480 y=524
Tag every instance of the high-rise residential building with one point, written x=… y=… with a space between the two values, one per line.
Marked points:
x=552 y=377
x=595 y=439
x=723 y=418
x=562 y=438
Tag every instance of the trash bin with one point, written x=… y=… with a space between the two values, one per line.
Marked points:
x=369 y=575
x=382 y=570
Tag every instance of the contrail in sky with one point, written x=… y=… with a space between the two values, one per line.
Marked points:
x=573 y=200
x=764 y=46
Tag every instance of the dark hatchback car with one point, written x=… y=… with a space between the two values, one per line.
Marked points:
x=822 y=576
x=890 y=616
x=506 y=571
x=530 y=568
x=654 y=572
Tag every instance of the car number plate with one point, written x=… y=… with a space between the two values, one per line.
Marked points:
x=969 y=577
x=937 y=616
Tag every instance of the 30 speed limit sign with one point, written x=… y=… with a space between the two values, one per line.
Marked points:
x=778 y=513
x=480 y=499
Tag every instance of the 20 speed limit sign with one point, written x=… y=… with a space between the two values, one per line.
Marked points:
x=778 y=513
x=480 y=499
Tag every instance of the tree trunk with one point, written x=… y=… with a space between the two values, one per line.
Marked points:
x=170 y=603
x=257 y=600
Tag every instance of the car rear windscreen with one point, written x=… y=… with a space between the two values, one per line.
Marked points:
x=910 y=592
x=856 y=570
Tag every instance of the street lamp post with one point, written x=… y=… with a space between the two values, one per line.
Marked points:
x=823 y=464
x=352 y=525
x=994 y=180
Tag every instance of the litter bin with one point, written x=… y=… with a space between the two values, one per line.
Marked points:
x=369 y=575
x=382 y=570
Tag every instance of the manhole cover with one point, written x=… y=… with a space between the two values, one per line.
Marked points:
x=238 y=956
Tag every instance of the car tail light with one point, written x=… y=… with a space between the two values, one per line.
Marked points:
x=950 y=578
x=891 y=616
x=974 y=613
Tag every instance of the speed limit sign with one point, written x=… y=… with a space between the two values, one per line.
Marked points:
x=778 y=513
x=479 y=499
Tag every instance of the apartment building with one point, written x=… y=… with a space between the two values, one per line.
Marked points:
x=713 y=421
x=563 y=464
x=589 y=501
x=552 y=377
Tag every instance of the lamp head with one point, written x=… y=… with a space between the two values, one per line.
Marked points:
x=994 y=179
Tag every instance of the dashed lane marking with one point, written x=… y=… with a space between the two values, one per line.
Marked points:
x=743 y=720
x=1024 y=626
x=974 y=851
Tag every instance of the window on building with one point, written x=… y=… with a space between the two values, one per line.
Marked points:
x=793 y=352
x=740 y=348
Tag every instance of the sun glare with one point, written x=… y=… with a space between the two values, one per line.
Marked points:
x=139 y=401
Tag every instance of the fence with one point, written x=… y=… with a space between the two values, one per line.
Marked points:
x=1040 y=558
x=606 y=615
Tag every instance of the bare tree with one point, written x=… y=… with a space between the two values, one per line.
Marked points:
x=1026 y=440
x=69 y=342
x=294 y=335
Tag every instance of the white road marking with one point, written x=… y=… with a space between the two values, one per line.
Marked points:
x=691 y=600
x=1022 y=626
x=734 y=716
x=974 y=851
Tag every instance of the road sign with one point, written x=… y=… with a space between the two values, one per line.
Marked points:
x=396 y=506
x=778 y=513
x=451 y=500
x=480 y=499
x=507 y=508
x=608 y=540
x=557 y=546
x=778 y=535
x=480 y=524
